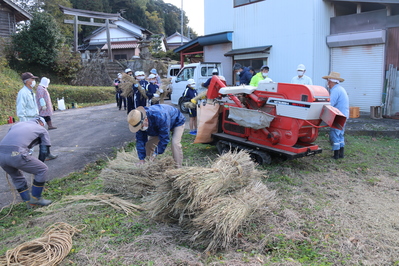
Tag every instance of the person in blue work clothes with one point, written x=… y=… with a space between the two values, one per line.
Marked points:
x=152 y=126
x=152 y=89
x=340 y=100
x=189 y=93
x=243 y=73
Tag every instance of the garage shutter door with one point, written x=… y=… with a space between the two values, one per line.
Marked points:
x=362 y=67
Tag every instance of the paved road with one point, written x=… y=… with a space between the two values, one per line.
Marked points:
x=83 y=136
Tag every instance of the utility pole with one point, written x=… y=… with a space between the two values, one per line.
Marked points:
x=181 y=23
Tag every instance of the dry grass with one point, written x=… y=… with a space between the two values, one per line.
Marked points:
x=125 y=176
x=212 y=203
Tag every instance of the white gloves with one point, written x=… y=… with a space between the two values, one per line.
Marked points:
x=160 y=90
x=44 y=108
x=156 y=95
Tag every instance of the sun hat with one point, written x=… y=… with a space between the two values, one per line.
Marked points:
x=44 y=82
x=135 y=118
x=28 y=75
x=334 y=75
x=153 y=71
x=301 y=67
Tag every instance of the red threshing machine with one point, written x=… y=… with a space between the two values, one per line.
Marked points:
x=273 y=119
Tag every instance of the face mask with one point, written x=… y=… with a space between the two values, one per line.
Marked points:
x=300 y=73
x=265 y=74
x=144 y=128
x=33 y=84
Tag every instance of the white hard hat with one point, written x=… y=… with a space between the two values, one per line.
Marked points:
x=127 y=70
x=191 y=82
x=301 y=67
x=151 y=76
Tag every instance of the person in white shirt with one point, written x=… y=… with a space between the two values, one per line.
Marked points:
x=301 y=78
x=26 y=100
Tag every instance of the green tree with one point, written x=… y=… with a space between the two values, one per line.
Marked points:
x=39 y=41
x=52 y=7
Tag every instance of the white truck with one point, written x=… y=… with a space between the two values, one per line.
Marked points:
x=200 y=72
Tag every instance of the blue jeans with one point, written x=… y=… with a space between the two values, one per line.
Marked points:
x=337 y=138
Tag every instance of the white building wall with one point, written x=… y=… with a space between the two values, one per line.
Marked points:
x=218 y=16
x=215 y=53
x=296 y=30
x=116 y=35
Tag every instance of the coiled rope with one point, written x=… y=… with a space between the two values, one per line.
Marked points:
x=48 y=250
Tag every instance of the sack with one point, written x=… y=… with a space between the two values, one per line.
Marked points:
x=208 y=123
x=61 y=104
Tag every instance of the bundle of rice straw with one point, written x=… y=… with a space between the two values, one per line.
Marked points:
x=212 y=203
x=125 y=176
x=126 y=85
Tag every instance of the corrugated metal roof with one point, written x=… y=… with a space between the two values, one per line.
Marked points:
x=121 y=45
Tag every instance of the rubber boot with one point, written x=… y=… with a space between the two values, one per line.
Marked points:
x=49 y=155
x=341 y=152
x=336 y=154
x=36 y=194
x=50 y=125
x=25 y=195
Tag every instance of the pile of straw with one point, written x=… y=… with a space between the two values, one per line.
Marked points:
x=48 y=250
x=212 y=203
x=124 y=175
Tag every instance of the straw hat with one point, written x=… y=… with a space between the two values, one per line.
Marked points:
x=334 y=75
x=135 y=118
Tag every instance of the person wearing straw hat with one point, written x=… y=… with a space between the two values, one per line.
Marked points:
x=152 y=126
x=301 y=78
x=15 y=158
x=340 y=100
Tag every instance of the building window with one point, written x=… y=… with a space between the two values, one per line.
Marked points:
x=120 y=57
x=245 y=2
x=255 y=63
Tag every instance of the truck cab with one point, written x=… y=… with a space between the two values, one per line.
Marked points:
x=200 y=72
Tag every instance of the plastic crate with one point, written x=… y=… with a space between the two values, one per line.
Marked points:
x=354 y=112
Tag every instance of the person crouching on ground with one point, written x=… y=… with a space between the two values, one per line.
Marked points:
x=189 y=93
x=152 y=126
x=15 y=158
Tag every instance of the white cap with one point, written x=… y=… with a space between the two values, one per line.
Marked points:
x=141 y=73
x=151 y=76
x=137 y=73
x=191 y=82
x=301 y=67
x=44 y=82
x=214 y=70
x=128 y=70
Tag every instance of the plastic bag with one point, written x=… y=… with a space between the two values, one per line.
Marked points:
x=61 y=104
